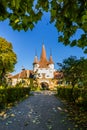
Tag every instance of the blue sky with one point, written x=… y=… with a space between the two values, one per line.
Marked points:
x=25 y=43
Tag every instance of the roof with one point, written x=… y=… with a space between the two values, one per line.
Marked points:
x=51 y=60
x=58 y=75
x=43 y=63
x=35 y=60
x=43 y=53
x=23 y=74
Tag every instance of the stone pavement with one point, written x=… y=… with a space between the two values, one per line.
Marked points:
x=42 y=111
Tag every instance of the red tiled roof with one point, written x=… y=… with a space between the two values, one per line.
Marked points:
x=22 y=74
x=35 y=60
x=43 y=63
x=51 y=60
x=43 y=53
x=15 y=76
x=58 y=75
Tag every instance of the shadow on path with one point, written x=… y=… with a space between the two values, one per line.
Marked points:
x=42 y=111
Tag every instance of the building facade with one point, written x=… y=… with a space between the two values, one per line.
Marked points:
x=43 y=68
x=43 y=73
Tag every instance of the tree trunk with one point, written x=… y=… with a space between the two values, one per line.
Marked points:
x=3 y=78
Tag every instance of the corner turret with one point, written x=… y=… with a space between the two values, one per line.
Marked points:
x=35 y=64
x=51 y=63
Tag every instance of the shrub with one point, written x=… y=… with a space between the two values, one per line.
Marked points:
x=79 y=95
x=11 y=95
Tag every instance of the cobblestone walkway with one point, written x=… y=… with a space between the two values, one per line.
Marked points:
x=42 y=111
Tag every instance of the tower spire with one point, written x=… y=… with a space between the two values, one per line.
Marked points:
x=50 y=59
x=35 y=52
x=43 y=60
x=43 y=53
x=35 y=58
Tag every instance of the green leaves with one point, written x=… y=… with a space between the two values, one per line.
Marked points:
x=53 y=13
x=15 y=4
x=7 y=58
x=68 y=16
x=84 y=17
x=43 y=5
x=73 y=43
x=74 y=70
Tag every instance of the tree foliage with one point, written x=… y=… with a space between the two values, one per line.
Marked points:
x=7 y=59
x=69 y=16
x=75 y=70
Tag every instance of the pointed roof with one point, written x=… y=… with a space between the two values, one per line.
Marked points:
x=23 y=74
x=43 y=63
x=51 y=60
x=43 y=53
x=43 y=60
x=35 y=60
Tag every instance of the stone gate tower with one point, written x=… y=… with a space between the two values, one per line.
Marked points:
x=44 y=68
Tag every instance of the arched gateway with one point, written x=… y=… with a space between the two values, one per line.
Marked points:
x=44 y=86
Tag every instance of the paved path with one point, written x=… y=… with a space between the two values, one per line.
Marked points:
x=43 y=111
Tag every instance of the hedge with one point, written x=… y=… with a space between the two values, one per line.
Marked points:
x=79 y=95
x=12 y=95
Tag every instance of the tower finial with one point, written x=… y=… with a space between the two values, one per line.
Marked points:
x=50 y=52
x=35 y=52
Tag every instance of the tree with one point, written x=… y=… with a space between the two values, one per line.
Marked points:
x=83 y=66
x=69 y=16
x=74 y=70
x=7 y=59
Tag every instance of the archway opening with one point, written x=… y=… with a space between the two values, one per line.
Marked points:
x=44 y=86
